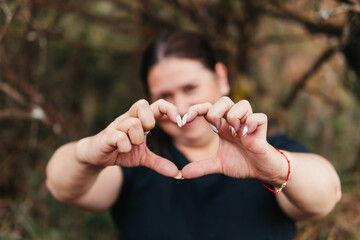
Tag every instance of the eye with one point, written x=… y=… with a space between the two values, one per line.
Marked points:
x=165 y=96
x=189 y=88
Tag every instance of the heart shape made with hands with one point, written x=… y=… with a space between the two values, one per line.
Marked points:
x=237 y=154
x=205 y=166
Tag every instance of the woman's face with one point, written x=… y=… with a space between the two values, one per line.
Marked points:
x=185 y=82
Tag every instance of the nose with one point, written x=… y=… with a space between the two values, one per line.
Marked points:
x=182 y=103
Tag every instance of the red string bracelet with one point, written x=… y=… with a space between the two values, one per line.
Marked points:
x=286 y=180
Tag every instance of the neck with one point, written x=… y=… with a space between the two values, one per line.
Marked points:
x=200 y=151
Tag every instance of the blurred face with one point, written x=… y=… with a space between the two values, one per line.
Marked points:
x=185 y=82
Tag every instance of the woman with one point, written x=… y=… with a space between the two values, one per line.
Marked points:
x=235 y=185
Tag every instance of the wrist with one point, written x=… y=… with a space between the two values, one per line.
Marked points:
x=281 y=179
x=283 y=169
x=82 y=155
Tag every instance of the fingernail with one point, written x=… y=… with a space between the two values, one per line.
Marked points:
x=245 y=131
x=214 y=128
x=146 y=133
x=233 y=132
x=178 y=121
x=179 y=176
x=184 y=119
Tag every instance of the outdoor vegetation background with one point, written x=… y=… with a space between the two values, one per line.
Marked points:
x=68 y=68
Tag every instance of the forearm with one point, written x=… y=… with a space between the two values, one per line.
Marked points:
x=313 y=188
x=67 y=177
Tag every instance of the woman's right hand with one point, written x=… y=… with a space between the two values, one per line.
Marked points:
x=123 y=142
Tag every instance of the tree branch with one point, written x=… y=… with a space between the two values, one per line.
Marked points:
x=301 y=82
x=279 y=11
x=14 y=113
x=12 y=93
x=9 y=18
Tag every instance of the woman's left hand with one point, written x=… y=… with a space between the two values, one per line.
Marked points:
x=243 y=150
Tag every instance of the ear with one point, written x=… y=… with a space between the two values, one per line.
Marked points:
x=222 y=77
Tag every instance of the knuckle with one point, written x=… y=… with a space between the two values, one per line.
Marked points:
x=245 y=102
x=122 y=137
x=156 y=164
x=123 y=143
x=137 y=139
x=142 y=103
x=160 y=101
x=231 y=118
x=192 y=108
x=214 y=113
x=160 y=104
x=226 y=99
x=211 y=116
x=134 y=122
x=207 y=105
x=263 y=116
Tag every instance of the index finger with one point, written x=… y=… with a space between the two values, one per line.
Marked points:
x=141 y=110
x=162 y=108
x=219 y=111
x=196 y=110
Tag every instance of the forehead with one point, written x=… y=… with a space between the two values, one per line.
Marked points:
x=175 y=72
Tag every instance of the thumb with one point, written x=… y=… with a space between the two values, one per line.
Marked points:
x=201 y=168
x=160 y=165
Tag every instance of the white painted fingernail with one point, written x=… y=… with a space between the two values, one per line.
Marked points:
x=245 y=131
x=214 y=128
x=146 y=133
x=178 y=121
x=233 y=132
x=179 y=176
x=184 y=119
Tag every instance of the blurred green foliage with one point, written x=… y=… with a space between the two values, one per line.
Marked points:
x=68 y=68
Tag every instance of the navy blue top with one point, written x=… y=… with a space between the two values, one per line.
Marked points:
x=152 y=206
